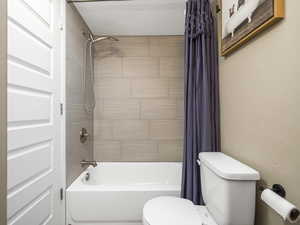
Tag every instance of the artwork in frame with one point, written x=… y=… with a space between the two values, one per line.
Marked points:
x=243 y=19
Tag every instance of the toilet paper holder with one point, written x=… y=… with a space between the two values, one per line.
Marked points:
x=294 y=213
x=277 y=188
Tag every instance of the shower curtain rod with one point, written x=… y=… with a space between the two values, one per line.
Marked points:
x=83 y=1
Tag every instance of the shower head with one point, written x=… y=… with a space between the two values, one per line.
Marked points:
x=104 y=38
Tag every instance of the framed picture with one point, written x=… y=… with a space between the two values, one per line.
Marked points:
x=243 y=19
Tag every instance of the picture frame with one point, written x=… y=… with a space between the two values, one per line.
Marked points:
x=242 y=20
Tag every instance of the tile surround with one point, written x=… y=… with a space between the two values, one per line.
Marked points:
x=108 y=88
x=150 y=88
x=158 y=109
x=139 y=95
x=76 y=117
x=141 y=66
x=171 y=67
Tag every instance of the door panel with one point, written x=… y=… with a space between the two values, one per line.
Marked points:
x=31 y=162
x=37 y=212
x=28 y=106
x=40 y=60
x=34 y=165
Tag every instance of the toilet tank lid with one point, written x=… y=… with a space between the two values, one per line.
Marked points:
x=227 y=167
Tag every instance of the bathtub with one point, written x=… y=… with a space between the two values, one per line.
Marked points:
x=116 y=192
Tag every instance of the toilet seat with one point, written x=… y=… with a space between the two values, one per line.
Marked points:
x=175 y=211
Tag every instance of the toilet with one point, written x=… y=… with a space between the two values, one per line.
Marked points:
x=228 y=189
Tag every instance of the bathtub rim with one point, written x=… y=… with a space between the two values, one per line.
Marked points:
x=77 y=185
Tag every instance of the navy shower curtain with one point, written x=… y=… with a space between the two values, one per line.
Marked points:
x=202 y=127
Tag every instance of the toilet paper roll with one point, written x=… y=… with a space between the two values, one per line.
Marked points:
x=287 y=210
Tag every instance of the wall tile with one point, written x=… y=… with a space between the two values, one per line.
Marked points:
x=76 y=113
x=75 y=144
x=104 y=49
x=74 y=74
x=176 y=88
x=98 y=111
x=108 y=66
x=166 y=129
x=76 y=116
x=167 y=46
x=149 y=88
x=107 y=151
x=141 y=66
x=158 y=109
x=75 y=150
x=120 y=109
x=74 y=87
x=180 y=109
x=131 y=129
x=139 y=151
x=171 y=67
x=134 y=90
x=103 y=130
x=131 y=46
x=75 y=46
x=170 y=150
x=112 y=88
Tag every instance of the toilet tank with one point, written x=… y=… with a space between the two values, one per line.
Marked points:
x=228 y=188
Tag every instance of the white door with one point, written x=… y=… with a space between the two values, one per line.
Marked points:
x=34 y=152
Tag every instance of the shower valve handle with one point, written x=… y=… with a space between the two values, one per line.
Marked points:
x=83 y=135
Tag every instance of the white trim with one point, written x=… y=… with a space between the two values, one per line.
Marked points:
x=3 y=109
x=63 y=101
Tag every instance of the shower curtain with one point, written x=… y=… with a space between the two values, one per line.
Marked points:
x=202 y=127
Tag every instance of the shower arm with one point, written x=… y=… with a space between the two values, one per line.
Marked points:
x=96 y=38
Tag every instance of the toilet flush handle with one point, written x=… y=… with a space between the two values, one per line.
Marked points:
x=198 y=161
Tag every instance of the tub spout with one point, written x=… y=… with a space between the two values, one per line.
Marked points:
x=88 y=163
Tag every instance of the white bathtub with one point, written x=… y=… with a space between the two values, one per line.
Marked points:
x=117 y=192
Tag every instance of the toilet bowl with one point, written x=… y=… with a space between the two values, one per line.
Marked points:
x=175 y=211
x=228 y=188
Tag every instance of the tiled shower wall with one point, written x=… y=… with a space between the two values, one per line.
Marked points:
x=139 y=97
x=76 y=117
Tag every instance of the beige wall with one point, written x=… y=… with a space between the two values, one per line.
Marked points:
x=139 y=95
x=3 y=119
x=260 y=107
x=76 y=117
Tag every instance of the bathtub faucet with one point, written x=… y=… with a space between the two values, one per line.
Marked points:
x=88 y=163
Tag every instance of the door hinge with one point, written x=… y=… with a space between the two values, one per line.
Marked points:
x=61 y=25
x=61 y=193
x=61 y=108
